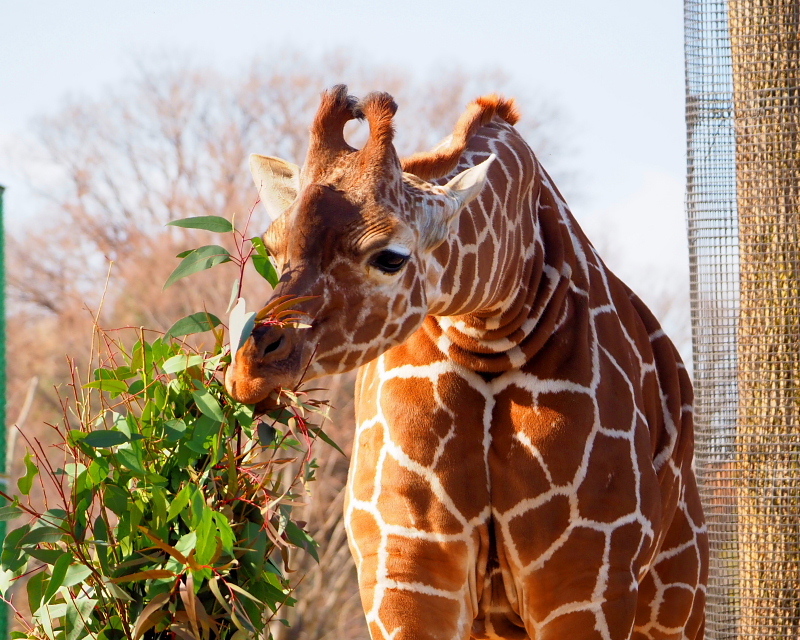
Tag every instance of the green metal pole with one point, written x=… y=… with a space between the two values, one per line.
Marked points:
x=4 y=631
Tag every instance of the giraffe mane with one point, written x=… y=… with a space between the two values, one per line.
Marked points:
x=429 y=165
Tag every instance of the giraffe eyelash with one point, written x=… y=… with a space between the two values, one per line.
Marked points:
x=389 y=261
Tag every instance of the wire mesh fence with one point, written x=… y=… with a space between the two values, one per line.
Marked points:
x=743 y=208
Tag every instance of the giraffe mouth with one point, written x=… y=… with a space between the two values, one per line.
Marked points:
x=270 y=403
x=247 y=390
x=266 y=363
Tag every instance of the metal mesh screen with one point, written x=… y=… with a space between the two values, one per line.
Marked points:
x=743 y=207
x=714 y=268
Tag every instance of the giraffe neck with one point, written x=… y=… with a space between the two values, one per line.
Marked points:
x=497 y=296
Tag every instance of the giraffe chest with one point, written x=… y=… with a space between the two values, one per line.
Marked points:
x=508 y=478
x=529 y=433
x=445 y=450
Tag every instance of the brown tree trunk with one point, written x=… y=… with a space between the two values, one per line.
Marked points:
x=765 y=40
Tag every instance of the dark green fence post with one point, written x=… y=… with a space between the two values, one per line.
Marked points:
x=3 y=470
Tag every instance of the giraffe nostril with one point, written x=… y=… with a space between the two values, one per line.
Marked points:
x=272 y=346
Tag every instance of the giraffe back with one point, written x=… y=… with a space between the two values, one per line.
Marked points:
x=535 y=432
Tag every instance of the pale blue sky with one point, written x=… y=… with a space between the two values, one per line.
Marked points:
x=614 y=69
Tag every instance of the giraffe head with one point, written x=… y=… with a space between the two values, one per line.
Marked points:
x=354 y=233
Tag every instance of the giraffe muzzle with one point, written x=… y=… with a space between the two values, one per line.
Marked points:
x=268 y=360
x=271 y=344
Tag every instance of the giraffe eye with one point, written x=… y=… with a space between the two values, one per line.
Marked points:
x=389 y=261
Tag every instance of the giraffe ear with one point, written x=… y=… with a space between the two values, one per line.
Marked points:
x=277 y=181
x=458 y=193
x=468 y=184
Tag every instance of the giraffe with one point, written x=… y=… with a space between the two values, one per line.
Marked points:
x=522 y=466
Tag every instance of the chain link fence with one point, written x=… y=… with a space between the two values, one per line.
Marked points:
x=743 y=208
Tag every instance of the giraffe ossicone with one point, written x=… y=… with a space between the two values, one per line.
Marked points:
x=522 y=466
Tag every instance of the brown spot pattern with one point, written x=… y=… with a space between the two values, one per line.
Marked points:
x=539 y=401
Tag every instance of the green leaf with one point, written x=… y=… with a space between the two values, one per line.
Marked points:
x=254 y=539
x=98 y=469
x=208 y=404
x=158 y=502
x=131 y=461
x=142 y=357
x=174 y=430
x=226 y=534
x=199 y=260
x=241 y=618
x=104 y=438
x=266 y=434
x=9 y=512
x=74 y=437
x=36 y=590
x=128 y=425
x=104 y=374
x=217 y=224
x=7 y=579
x=114 y=387
x=234 y=295
x=194 y=323
x=56 y=517
x=326 y=438
x=187 y=543
x=136 y=387
x=13 y=556
x=244 y=415
x=161 y=349
x=149 y=413
x=301 y=539
x=25 y=483
x=76 y=574
x=41 y=534
x=203 y=428
x=123 y=373
x=79 y=612
x=160 y=395
x=45 y=616
x=48 y=556
x=116 y=499
x=262 y=262
x=181 y=362
x=206 y=537
x=72 y=470
x=241 y=591
x=266 y=270
x=180 y=501
x=197 y=510
x=100 y=538
x=271 y=590
x=260 y=247
x=57 y=575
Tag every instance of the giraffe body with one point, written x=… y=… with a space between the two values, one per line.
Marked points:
x=522 y=462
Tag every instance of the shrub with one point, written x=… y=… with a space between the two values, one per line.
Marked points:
x=173 y=507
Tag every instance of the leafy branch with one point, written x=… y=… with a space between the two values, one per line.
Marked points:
x=172 y=512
